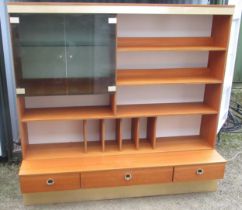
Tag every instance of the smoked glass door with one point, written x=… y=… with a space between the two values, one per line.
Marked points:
x=60 y=54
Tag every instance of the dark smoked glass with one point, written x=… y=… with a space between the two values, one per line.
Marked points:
x=57 y=54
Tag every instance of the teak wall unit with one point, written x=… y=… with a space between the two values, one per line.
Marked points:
x=105 y=168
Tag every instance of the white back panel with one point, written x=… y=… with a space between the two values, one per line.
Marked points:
x=126 y=129
x=178 y=126
x=55 y=132
x=151 y=94
x=66 y=101
x=149 y=60
x=164 y=25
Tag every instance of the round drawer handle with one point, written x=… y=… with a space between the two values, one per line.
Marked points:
x=128 y=177
x=50 y=182
x=200 y=171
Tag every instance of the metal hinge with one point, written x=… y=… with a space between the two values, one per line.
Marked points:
x=112 y=20
x=111 y=89
x=20 y=91
x=14 y=20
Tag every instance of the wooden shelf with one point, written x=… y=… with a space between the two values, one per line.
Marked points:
x=123 y=111
x=67 y=113
x=149 y=110
x=165 y=76
x=171 y=48
x=142 y=44
x=76 y=149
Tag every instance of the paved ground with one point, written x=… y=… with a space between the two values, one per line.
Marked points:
x=228 y=196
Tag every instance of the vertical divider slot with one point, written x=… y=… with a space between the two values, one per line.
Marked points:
x=151 y=130
x=135 y=132
x=119 y=133
x=85 y=135
x=113 y=103
x=102 y=133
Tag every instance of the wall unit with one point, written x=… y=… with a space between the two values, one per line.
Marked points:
x=151 y=120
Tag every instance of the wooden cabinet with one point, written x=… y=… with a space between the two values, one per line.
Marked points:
x=147 y=81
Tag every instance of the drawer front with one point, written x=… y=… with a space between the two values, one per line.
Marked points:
x=126 y=177
x=45 y=183
x=199 y=172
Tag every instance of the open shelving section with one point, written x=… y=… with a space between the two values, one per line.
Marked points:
x=127 y=143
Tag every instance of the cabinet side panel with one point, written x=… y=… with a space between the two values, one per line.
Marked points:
x=22 y=126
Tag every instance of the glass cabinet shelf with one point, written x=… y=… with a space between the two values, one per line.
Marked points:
x=61 y=54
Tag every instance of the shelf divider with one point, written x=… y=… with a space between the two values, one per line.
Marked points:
x=85 y=135
x=119 y=133
x=113 y=103
x=151 y=130
x=135 y=131
x=102 y=133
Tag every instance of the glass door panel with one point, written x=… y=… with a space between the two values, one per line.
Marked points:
x=39 y=54
x=58 y=54
x=90 y=41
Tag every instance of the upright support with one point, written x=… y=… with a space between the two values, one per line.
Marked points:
x=85 y=135
x=113 y=103
x=135 y=132
x=102 y=133
x=151 y=130
x=119 y=133
x=23 y=130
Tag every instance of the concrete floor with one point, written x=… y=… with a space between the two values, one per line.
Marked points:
x=228 y=196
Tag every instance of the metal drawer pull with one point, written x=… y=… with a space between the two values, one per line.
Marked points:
x=50 y=181
x=128 y=177
x=200 y=171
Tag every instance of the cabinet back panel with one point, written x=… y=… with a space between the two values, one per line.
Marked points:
x=55 y=132
x=151 y=60
x=160 y=94
x=164 y=25
x=178 y=126
x=66 y=101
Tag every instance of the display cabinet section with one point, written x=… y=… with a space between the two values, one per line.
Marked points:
x=63 y=54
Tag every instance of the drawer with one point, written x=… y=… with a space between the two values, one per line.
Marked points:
x=199 y=172
x=126 y=177
x=52 y=182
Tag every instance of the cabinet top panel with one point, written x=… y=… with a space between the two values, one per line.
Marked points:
x=120 y=8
